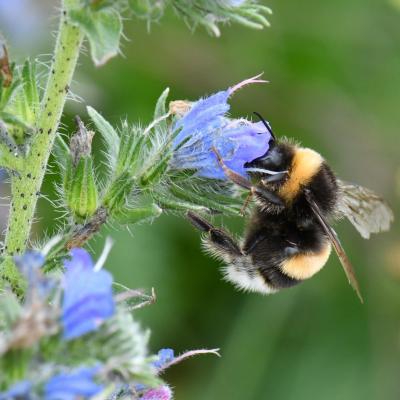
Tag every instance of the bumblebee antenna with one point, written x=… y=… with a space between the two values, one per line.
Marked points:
x=266 y=124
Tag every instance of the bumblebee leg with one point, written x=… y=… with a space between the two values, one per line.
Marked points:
x=244 y=183
x=246 y=203
x=240 y=268
x=219 y=240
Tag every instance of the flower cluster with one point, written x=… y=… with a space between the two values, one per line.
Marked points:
x=205 y=126
x=74 y=338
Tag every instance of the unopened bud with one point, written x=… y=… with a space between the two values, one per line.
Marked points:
x=81 y=142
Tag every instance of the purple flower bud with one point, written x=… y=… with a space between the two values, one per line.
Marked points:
x=88 y=298
x=73 y=385
x=206 y=126
x=165 y=356
x=161 y=393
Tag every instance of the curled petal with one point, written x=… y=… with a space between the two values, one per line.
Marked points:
x=165 y=356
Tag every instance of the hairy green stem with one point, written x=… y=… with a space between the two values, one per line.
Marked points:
x=26 y=185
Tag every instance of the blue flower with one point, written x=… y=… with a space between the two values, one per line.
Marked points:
x=20 y=391
x=165 y=356
x=73 y=385
x=206 y=126
x=88 y=298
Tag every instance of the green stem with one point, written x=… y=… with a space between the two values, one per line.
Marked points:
x=26 y=186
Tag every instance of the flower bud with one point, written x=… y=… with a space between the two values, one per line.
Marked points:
x=83 y=193
x=79 y=180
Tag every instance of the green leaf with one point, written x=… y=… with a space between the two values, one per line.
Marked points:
x=14 y=120
x=30 y=89
x=103 y=29
x=109 y=134
x=6 y=93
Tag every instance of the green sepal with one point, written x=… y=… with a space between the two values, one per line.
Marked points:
x=103 y=29
x=161 y=109
x=130 y=146
x=172 y=204
x=205 y=200
x=135 y=215
x=118 y=193
x=109 y=135
x=82 y=193
x=156 y=172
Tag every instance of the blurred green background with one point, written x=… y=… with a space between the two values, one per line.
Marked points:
x=334 y=72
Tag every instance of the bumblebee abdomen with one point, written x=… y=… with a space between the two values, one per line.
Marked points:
x=303 y=266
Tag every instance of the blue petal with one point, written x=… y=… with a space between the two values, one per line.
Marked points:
x=88 y=298
x=205 y=126
x=205 y=114
x=79 y=257
x=165 y=356
x=73 y=385
x=20 y=391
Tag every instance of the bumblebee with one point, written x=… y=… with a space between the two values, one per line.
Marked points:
x=289 y=237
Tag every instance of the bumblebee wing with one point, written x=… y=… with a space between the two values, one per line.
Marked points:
x=368 y=212
x=346 y=264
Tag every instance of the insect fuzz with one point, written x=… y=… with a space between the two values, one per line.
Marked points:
x=283 y=244
x=288 y=237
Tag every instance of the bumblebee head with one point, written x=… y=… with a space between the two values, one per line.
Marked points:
x=278 y=157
